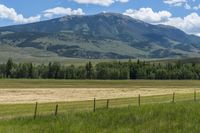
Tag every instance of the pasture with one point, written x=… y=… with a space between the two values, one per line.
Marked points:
x=181 y=117
x=75 y=100
x=18 y=97
x=45 y=91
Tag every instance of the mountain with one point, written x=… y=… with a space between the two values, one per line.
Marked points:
x=105 y=35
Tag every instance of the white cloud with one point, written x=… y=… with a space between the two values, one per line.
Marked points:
x=11 y=14
x=100 y=2
x=148 y=15
x=175 y=2
x=190 y=23
x=96 y=2
x=187 y=4
x=59 y=11
x=123 y=1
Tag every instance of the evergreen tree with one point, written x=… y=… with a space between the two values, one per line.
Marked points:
x=30 y=71
x=9 y=66
x=89 y=70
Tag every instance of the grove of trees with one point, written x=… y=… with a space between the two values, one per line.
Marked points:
x=104 y=70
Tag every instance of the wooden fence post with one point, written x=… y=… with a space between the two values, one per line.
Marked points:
x=107 y=104
x=139 y=100
x=195 y=95
x=173 y=98
x=94 y=108
x=56 y=111
x=35 y=112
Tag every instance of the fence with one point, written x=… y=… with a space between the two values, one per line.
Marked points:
x=112 y=103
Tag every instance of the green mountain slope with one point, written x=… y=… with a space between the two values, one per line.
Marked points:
x=105 y=35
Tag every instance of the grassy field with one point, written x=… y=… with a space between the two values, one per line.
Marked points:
x=157 y=113
x=36 y=56
x=181 y=117
x=20 y=110
x=40 y=83
x=45 y=91
x=17 y=97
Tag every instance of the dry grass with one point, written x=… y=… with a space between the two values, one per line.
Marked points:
x=45 y=91
x=11 y=96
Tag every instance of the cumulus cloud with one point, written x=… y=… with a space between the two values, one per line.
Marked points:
x=190 y=23
x=148 y=15
x=11 y=14
x=60 y=11
x=100 y=2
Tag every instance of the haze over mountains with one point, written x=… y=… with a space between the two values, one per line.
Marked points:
x=105 y=35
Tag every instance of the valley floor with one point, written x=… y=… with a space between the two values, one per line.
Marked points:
x=18 y=96
x=160 y=110
x=181 y=117
x=45 y=91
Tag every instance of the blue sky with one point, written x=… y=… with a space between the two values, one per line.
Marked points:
x=183 y=14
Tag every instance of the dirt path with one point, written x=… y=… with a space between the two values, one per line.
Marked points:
x=8 y=96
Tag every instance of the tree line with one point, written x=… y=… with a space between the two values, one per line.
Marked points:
x=103 y=70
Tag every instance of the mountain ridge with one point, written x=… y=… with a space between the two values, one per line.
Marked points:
x=105 y=35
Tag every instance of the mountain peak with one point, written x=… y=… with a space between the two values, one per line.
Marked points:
x=104 y=35
x=109 y=14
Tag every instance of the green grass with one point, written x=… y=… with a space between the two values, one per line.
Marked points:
x=181 y=117
x=20 y=110
x=17 y=110
x=40 y=83
x=157 y=114
x=36 y=56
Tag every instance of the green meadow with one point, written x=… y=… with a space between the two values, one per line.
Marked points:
x=156 y=114
x=180 y=117
x=51 y=83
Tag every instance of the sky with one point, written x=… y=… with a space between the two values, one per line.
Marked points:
x=183 y=14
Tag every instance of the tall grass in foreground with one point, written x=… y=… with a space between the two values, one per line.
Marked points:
x=181 y=117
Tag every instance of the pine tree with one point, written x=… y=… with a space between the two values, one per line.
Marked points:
x=9 y=66
x=89 y=70
x=30 y=71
